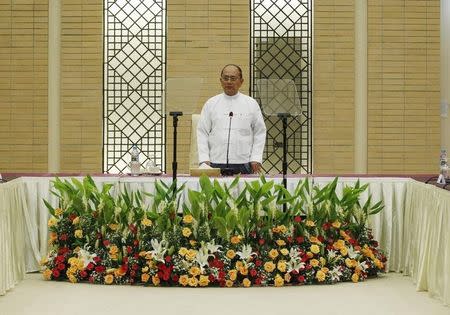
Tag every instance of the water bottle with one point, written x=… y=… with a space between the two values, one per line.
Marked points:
x=135 y=166
x=443 y=164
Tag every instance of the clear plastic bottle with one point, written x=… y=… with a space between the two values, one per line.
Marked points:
x=444 y=165
x=135 y=166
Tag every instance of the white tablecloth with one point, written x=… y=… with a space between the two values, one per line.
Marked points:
x=412 y=229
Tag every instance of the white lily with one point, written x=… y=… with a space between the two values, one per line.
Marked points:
x=295 y=264
x=86 y=256
x=294 y=253
x=159 y=249
x=331 y=254
x=363 y=265
x=212 y=247
x=202 y=258
x=246 y=252
x=352 y=253
x=335 y=274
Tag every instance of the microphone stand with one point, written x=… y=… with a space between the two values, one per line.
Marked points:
x=284 y=117
x=174 y=162
x=227 y=171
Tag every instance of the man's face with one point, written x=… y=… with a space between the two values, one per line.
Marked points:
x=231 y=80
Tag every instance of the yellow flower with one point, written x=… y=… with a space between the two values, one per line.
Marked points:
x=281 y=266
x=231 y=254
x=236 y=239
x=184 y=279
x=182 y=251
x=113 y=226
x=188 y=218
x=344 y=251
x=232 y=274
x=155 y=280
x=58 y=211
x=186 y=232
x=73 y=279
x=78 y=233
x=47 y=274
x=239 y=264
x=336 y=224
x=269 y=266
x=315 y=249
x=191 y=254
x=204 y=281
x=145 y=269
x=320 y=276
x=246 y=282
x=229 y=283
x=109 y=279
x=146 y=222
x=145 y=277
x=325 y=270
x=344 y=235
x=339 y=244
x=52 y=222
x=72 y=261
x=276 y=229
x=309 y=255
x=278 y=281
x=287 y=277
x=193 y=282
x=310 y=223
x=192 y=242
x=284 y=251
x=243 y=270
x=273 y=253
x=280 y=242
x=76 y=220
x=314 y=262
x=378 y=263
x=351 y=263
x=322 y=261
x=282 y=228
x=194 y=271
x=72 y=270
x=314 y=239
x=113 y=250
x=80 y=264
x=355 y=277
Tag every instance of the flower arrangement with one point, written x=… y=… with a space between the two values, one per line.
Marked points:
x=259 y=235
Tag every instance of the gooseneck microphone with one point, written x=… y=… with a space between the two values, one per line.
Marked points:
x=228 y=140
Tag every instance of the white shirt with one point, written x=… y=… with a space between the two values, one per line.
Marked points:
x=247 y=133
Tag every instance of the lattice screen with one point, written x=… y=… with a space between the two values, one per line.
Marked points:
x=134 y=75
x=281 y=74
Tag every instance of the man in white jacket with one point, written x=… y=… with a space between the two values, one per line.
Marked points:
x=231 y=132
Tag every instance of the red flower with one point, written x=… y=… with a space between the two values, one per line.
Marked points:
x=135 y=242
x=261 y=241
x=297 y=219
x=175 y=278
x=90 y=266
x=91 y=279
x=253 y=234
x=100 y=269
x=211 y=278
x=83 y=273
x=125 y=260
x=222 y=275
x=132 y=228
x=301 y=279
x=299 y=239
x=164 y=272
x=326 y=226
x=258 y=281
x=253 y=272
x=72 y=217
x=97 y=259
x=129 y=249
x=258 y=263
x=63 y=237
x=289 y=239
x=132 y=274
x=61 y=267
x=106 y=243
x=55 y=273
x=168 y=259
x=321 y=238
x=135 y=267
x=60 y=259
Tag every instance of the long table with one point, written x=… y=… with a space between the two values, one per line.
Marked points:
x=412 y=229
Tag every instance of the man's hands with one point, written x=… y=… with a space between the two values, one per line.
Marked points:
x=256 y=167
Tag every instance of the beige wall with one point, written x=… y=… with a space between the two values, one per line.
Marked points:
x=203 y=35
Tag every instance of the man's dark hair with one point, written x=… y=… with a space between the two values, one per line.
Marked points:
x=232 y=64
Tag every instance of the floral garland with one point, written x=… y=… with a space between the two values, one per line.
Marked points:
x=97 y=238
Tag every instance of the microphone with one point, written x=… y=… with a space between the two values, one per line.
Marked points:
x=227 y=170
